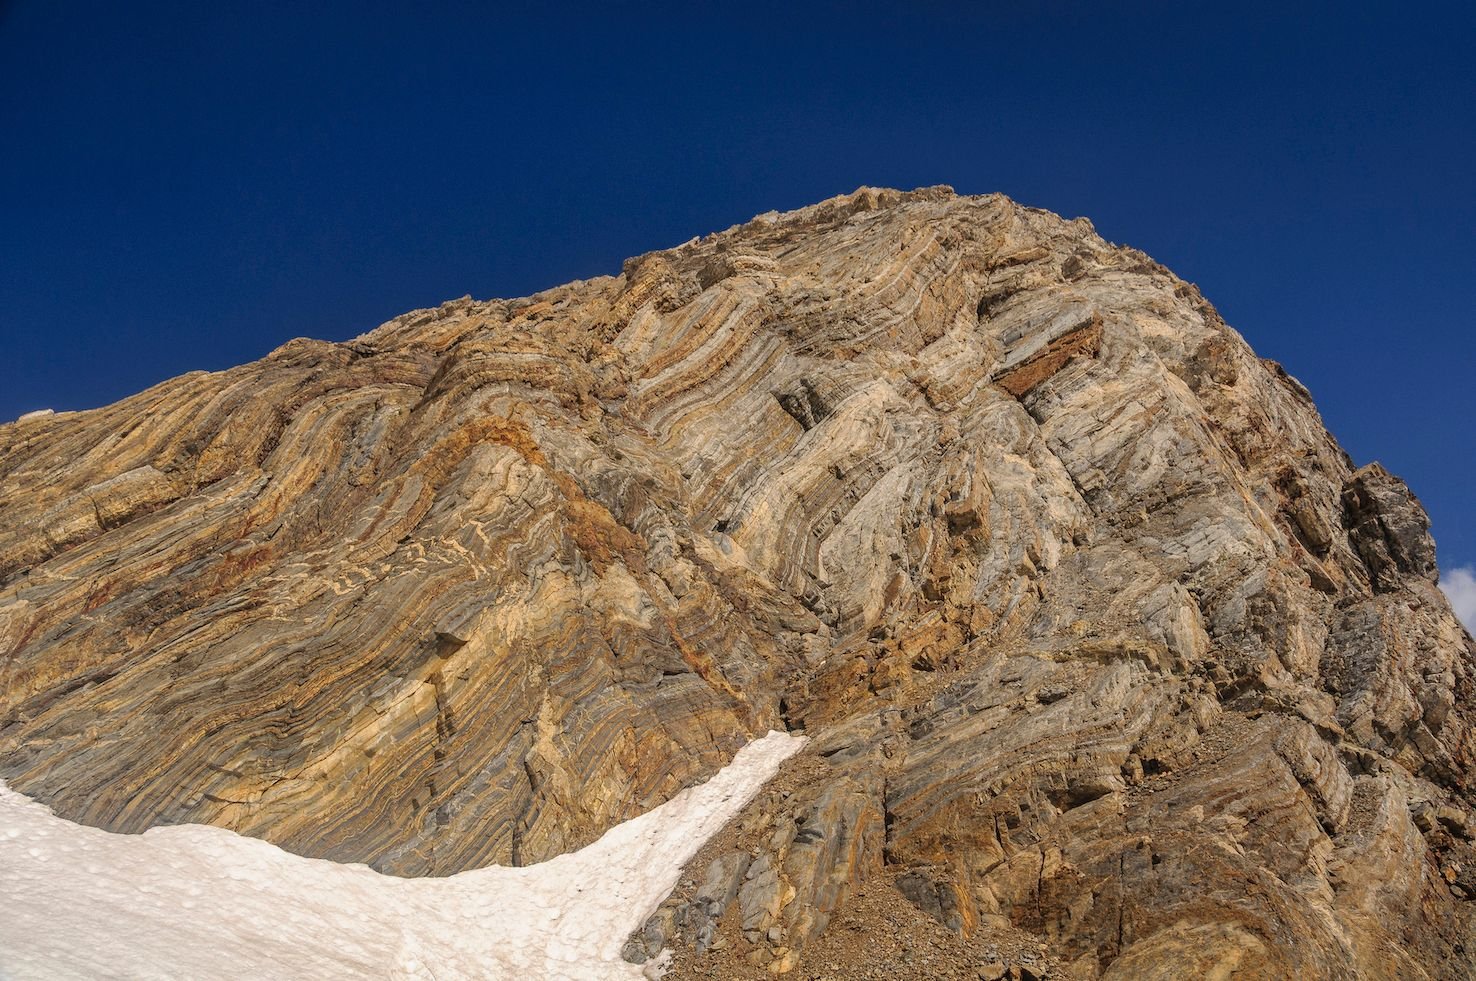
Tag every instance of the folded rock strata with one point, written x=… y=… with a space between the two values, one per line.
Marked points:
x=1099 y=636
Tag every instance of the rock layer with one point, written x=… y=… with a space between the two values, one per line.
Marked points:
x=1097 y=633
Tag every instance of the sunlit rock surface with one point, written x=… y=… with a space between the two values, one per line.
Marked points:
x=1097 y=633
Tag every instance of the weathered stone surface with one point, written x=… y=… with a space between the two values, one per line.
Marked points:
x=1388 y=527
x=1099 y=636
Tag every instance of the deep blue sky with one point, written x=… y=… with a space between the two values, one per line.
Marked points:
x=186 y=186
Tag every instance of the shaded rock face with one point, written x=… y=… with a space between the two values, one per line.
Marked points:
x=1098 y=634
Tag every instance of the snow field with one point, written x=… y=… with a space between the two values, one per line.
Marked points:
x=192 y=901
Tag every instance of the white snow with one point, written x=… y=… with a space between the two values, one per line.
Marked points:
x=192 y=901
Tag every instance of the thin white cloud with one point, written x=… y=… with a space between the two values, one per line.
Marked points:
x=1460 y=588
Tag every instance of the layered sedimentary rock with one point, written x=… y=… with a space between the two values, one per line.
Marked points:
x=1098 y=635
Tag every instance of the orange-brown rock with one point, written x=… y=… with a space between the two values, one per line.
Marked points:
x=1099 y=636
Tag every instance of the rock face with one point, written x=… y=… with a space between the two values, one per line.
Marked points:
x=1099 y=637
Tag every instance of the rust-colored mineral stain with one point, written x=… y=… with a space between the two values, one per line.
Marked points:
x=1083 y=341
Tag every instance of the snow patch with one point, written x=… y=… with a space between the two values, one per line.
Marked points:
x=193 y=901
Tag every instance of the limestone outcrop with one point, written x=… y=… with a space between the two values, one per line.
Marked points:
x=1101 y=641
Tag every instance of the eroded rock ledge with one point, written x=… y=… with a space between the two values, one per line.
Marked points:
x=1099 y=636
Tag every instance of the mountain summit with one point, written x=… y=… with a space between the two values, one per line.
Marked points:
x=1111 y=662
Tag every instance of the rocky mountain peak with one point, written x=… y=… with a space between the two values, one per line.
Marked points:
x=1108 y=654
